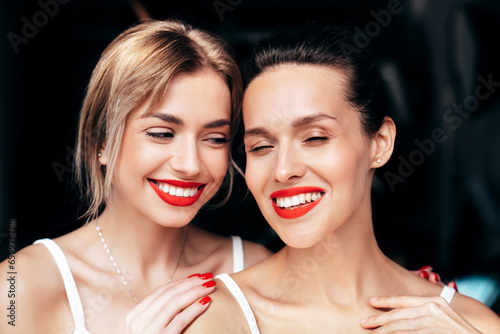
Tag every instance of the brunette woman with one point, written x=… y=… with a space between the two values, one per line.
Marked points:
x=315 y=132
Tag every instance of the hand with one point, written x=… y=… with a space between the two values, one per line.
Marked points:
x=416 y=314
x=171 y=307
x=426 y=273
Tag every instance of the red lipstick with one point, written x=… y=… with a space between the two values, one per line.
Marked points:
x=176 y=200
x=292 y=213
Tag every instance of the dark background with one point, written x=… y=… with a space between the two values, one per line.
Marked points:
x=443 y=210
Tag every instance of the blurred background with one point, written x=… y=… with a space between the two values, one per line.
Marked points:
x=437 y=202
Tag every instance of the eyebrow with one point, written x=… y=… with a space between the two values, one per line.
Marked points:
x=166 y=117
x=296 y=123
x=306 y=120
x=255 y=132
x=176 y=120
x=217 y=123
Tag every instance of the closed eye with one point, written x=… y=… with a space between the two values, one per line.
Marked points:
x=160 y=135
x=259 y=148
x=220 y=140
x=316 y=139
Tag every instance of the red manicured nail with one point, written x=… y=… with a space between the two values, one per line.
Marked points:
x=436 y=277
x=424 y=274
x=206 y=276
x=205 y=300
x=209 y=284
x=454 y=285
x=193 y=275
x=425 y=268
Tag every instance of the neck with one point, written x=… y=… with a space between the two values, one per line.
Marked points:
x=144 y=251
x=347 y=267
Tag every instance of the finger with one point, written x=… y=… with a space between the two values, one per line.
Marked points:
x=434 y=278
x=427 y=269
x=167 y=308
x=453 y=285
x=145 y=311
x=382 y=319
x=182 y=284
x=417 y=325
x=403 y=301
x=184 y=318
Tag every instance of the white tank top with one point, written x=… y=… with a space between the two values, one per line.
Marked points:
x=75 y=302
x=447 y=293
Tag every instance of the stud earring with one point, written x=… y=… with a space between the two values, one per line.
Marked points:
x=100 y=155
x=379 y=160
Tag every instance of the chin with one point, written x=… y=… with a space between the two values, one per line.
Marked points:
x=299 y=236
x=174 y=218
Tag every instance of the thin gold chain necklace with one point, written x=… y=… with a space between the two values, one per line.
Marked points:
x=118 y=271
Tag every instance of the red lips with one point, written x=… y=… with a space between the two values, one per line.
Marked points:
x=301 y=210
x=176 y=200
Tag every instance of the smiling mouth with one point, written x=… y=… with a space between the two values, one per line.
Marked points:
x=176 y=192
x=297 y=201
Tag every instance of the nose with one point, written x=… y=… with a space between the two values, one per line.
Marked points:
x=186 y=161
x=289 y=165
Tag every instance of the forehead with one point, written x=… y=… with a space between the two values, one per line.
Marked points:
x=288 y=91
x=204 y=93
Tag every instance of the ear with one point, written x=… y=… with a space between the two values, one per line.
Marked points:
x=383 y=143
x=102 y=157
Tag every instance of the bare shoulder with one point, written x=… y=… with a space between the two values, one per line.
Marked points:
x=255 y=253
x=32 y=284
x=220 y=247
x=478 y=314
x=224 y=315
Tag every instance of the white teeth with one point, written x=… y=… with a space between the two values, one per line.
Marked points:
x=302 y=198
x=286 y=202
x=177 y=191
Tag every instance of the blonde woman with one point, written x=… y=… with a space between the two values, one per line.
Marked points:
x=153 y=148
x=315 y=132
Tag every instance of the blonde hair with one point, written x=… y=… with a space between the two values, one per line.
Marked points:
x=134 y=69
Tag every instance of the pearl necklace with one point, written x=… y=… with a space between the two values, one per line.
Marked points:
x=125 y=283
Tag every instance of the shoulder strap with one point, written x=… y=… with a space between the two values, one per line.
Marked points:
x=238 y=255
x=447 y=293
x=240 y=298
x=69 y=284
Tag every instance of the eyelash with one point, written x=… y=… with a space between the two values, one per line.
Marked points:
x=220 y=141
x=316 y=139
x=311 y=139
x=160 y=135
x=168 y=135
x=258 y=148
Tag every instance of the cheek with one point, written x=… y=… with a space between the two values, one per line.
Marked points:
x=216 y=163
x=256 y=176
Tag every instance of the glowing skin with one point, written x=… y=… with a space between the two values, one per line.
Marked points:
x=301 y=132
x=174 y=159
